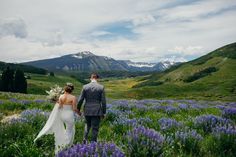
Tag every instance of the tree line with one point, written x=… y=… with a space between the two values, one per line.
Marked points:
x=13 y=81
x=25 y=68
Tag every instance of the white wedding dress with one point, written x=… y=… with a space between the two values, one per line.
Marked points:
x=55 y=125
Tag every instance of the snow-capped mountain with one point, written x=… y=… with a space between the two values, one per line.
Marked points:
x=140 y=64
x=82 y=54
x=87 y=61
x=144 y=66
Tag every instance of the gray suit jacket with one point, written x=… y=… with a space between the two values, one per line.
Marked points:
x=95 y=101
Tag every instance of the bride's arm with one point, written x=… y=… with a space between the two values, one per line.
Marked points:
x=60 y=102
x=74 y=103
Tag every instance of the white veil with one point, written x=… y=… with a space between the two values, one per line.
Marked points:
x=55 y=126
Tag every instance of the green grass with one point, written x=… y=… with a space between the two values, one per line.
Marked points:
x=38 y=84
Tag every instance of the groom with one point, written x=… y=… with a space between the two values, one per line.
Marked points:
x=94 y=107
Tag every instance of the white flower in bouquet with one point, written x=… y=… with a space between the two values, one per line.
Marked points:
x=54 y=93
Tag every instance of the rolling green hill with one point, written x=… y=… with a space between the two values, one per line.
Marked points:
x=211 y=77
x=25 y=68
x=38 y=84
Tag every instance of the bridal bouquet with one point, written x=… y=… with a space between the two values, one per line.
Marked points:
x=54 y=93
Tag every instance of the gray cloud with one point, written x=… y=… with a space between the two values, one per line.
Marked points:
x=13 y=26
x=55 y=39
x=162 y=29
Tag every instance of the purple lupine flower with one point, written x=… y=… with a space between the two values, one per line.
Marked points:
x=109 y=106
x=226 y=130
x=14 y=100
x=125 y=122
x=196 y=106
x=25 y=102
x=31 y=112
x=168 y=124
x=18 y=120
x=169 y=101
x=190 y=101
x=144 y=141
x=208 y=122
x=220 y=107
x=92 y=149
x=28 y=115
x=140 y=106
x=188 y=135
x=149 y=102
x=114 y=112
x=229 y=112
x=122 y=104
x=171 y=109
x=143 y=121
x=157 y=108
x=183 y=106
x=231 y=104
x=1 y=102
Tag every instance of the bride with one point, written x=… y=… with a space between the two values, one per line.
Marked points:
x=62 y=113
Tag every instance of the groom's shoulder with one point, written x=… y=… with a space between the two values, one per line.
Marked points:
x=92 y=85
x=86 y=85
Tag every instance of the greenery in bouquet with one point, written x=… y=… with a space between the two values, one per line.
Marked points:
x=54 y=93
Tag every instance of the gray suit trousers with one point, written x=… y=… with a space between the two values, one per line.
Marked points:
x=92 y=122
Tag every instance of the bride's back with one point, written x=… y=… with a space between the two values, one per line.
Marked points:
x=67 y=99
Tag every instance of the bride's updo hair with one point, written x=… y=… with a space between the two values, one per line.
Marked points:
x=69 y=87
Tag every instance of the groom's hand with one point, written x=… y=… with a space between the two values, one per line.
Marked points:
x=79 y=113
x=103 y=116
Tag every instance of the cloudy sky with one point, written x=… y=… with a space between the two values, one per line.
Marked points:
x=139 y=30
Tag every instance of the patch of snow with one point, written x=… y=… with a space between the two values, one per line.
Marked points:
x=140 y=65
x=166 y=65
x=77 y=56
x=86 y=53
x=107 y=58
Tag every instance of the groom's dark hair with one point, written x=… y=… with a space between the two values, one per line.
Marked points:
x=94 y=76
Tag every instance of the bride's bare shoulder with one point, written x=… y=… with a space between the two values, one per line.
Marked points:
x=61 y=96
x=74 y=97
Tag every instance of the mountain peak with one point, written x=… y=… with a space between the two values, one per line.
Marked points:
x=83 y=54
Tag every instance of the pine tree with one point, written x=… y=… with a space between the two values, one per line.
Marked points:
x=51 y=74
x=20 y=82
x=7 y=80
x=1 y=83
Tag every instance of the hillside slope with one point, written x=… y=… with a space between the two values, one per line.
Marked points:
x=212 y=76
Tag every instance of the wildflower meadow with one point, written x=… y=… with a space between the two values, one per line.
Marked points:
x=131 y=128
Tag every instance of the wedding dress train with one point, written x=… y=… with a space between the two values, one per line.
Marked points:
x=55 y=125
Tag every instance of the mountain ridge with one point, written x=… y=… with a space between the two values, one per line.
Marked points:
x=87 y=61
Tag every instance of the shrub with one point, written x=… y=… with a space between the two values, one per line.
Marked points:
x=200 y=74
